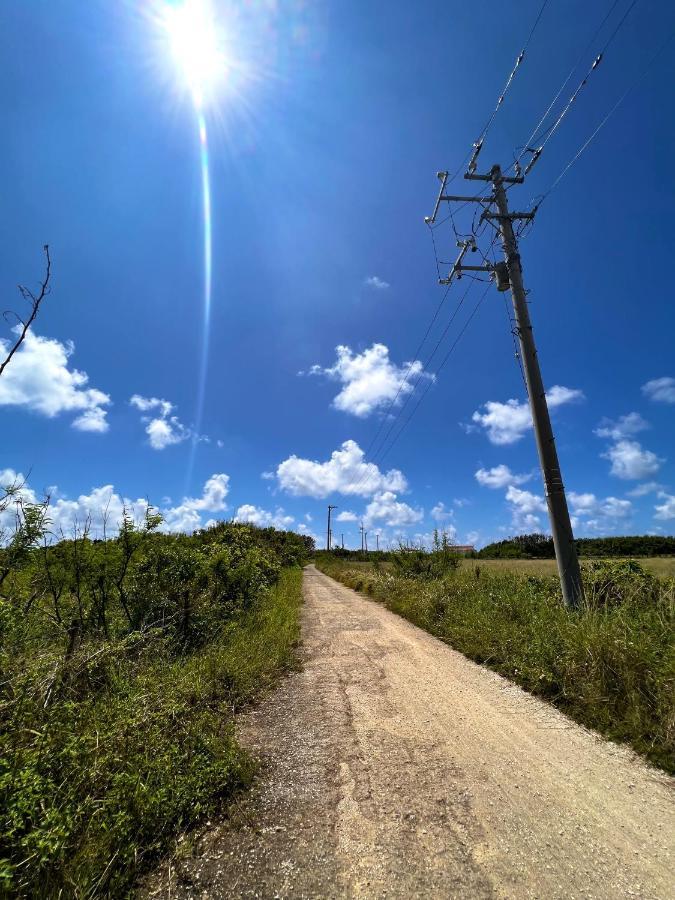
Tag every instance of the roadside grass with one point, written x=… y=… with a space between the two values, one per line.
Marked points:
x=610 y=665
x=94 y=787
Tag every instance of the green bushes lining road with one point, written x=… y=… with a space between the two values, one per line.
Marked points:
x=610 y=666
x=122 y=662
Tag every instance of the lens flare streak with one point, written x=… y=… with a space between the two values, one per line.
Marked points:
x=208 y=256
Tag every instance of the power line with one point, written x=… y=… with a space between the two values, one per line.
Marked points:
x=535 y=136
x=437 y=372
x=478 y=144
x=611 y=112
x=549 y=132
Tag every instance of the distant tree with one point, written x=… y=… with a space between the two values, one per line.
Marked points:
x=34 y=301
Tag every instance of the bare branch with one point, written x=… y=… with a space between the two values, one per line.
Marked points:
x=35 y=301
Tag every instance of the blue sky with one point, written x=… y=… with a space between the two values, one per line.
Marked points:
x=324 y=142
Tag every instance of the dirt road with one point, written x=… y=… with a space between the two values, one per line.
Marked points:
x=397 y=768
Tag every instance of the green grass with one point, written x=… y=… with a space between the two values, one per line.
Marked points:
x=92 y=791
x=610 y=665
x=661 y=566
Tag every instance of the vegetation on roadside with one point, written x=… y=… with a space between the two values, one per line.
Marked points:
x=121 y=664
x=609 y=665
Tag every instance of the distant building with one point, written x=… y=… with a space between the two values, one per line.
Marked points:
x=463 y=549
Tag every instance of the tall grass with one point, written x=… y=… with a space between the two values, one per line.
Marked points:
x=610 y=665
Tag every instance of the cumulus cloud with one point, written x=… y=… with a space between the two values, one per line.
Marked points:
x=347 y=516
x=40 y=379
x=439 y=513
x=162 y=429
x=665 y=510
x=506 y=423
x=623 y=427
x=648 y=487
x=525 y=508
x=263 y=518
x=630 y=461
x=384 y=507
x=499 y=477
x=346 y=472
x=370 y=380
x=377 y=283
x=186 y=516
x=662 y=390
x=590 y=505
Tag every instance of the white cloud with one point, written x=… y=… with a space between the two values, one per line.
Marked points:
x=662 y=390
x=622 y=428
x=440 y=514
x=187 y=515
x=103 y=508
x=377 y=283
x=590 y=505
x=499 y=477
x=384 y=507
x=347 y=516
x=630 y=461
x=39 y=379
x=506 y=423
x=255 y=515
x=665 y=510
x=369 y=379
x=472 y=538
x=346 y=472
x=163 y=430
x=525 y=507
x=648 y=487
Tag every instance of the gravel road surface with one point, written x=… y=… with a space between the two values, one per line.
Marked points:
x=394 y=767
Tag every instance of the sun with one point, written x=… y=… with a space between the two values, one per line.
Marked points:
x=196 y=46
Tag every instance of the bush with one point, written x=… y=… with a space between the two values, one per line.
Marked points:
x=121 y=663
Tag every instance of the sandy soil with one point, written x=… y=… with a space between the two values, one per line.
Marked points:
x=394 y=767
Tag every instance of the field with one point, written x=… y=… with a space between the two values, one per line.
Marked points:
x=661 y=566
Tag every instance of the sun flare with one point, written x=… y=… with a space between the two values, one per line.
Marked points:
x=196 y=46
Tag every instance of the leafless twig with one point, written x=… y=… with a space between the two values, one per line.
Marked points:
x=35 y=301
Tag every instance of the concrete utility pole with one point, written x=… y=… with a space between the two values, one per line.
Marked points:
x=362 y=533
x=509 y=276
x=342 y=538
x=377 y=540
x=329 y=535
x=365 y=535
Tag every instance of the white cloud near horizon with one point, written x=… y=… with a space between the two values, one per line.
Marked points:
x=346 y=472
x=506 y=423
x=162 y=429
x=347 y=516
x=661 y=390
x=39 y=378
x=370 y=380
x=263 y=518
x=440 y=513
x=665 y=510
x=499 y=476
x=385 y=507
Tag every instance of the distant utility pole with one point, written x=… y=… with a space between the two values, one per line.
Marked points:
x=509 y=276
x=377 y=540
x=329 y=535
x=362 y=533
x=342 y=538
x=365 y=536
